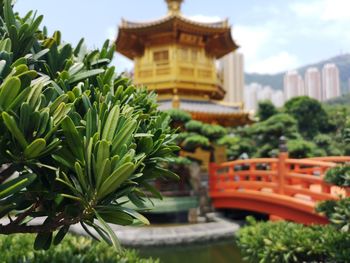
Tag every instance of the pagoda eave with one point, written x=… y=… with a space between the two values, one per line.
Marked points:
x=133 y=37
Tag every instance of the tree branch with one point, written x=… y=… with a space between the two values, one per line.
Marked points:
x=26 y=213
x=51 y=226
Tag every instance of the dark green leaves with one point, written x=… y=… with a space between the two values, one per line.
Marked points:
x=90 y=136
x=43 y=241
x=16 y=185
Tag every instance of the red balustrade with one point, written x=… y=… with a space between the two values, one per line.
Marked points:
x=282 y=187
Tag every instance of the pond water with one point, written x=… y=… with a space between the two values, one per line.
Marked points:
x=219 y=252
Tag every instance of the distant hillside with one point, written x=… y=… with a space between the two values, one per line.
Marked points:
x=276 y=80
x=342 y=100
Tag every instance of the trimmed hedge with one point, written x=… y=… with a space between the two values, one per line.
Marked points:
x=194 y=141
x=339 y=175
x=73 y=249
x=179 y=115
x=278 y=242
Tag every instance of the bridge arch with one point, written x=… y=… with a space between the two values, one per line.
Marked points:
x=282 y=187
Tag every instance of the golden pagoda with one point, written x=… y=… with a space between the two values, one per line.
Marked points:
x=177 y=57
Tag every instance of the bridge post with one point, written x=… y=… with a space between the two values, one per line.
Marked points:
x=282 y=166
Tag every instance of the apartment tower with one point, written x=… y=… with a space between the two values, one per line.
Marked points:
x=313 y=83
x=233 y=77
x=330 y=81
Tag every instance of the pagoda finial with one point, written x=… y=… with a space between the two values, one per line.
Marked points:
x=174 y=6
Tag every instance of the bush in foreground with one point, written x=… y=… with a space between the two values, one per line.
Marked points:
x=75 y=138
x=18 y=248
x=277 y=242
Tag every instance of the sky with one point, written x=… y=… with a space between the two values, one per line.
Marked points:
x=274 y=35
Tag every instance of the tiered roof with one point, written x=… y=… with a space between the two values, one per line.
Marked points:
x=134 y=36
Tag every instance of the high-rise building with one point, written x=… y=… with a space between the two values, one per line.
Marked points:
x=277 y=98
x=255 y=92
x=233 y=77
x=330 y=81
x=313 y=83
x=251 y=96
x=265 y=93
x=301 y=86
x=293 y=85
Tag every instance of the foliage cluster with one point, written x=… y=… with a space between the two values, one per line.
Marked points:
x=311 y=129
x=18 y=248
x=74 y=137
x=277 y=242
x=266 y=110
x=195 y=133
x=179 y=116
x=339 y=175
x=338 y=213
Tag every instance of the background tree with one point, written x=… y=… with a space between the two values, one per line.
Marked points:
x=266 y=109
x=309 y=113
x=266 y=134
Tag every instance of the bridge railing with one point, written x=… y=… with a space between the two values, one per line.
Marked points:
x=297 y=178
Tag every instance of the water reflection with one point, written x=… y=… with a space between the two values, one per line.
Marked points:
x=221 y=252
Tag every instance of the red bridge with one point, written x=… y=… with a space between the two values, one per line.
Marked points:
x=281 y=187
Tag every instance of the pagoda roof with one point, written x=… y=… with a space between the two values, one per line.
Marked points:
x=143 y=25
x=133 y=36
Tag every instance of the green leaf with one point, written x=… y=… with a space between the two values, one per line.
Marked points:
x=13 y=128
x=81 y=176
x=124 y=134
x=135 y=215
x=9 y=91
x=43 y=241
x=116 y=217
x=35 y=148
x=115 y=179
x=109 y=231
x=84 y=75
x=16 y=185
x=111 y=124
x=19 y=99
x=73 y=138
x=10 y=19
x=60 y=235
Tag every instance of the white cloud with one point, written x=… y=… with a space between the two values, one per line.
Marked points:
x=280 y=62
x=122 y=63
x=111 y=32
x=324 y=10
x=328 y=20
x=251 y=39
x=205 y=19
x=256 y=43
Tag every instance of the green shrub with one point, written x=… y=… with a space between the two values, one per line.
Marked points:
x=279 y=242
x=18 y=249
x=300 y=148
x=236 y=146
x=339 y=175
x=194 y=141
x=338 y=212
x=194 y=126
x=213 y=132
x=179 y=115
x=74 y=136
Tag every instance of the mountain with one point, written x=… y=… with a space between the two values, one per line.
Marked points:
x=276 y=80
